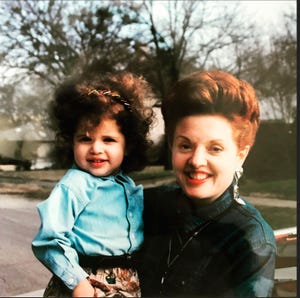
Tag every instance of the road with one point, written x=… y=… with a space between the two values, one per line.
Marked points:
x=271 y=202
x=20 y=271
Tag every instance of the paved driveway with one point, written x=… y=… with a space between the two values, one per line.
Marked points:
x=271 y=202
x=20 y=271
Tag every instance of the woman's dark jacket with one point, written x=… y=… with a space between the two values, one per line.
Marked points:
x=232 y=252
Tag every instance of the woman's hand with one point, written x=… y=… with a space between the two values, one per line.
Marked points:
x=84 y=289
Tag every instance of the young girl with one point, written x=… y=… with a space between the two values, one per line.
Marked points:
x=91 y=224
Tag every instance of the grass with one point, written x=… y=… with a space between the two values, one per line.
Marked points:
x=153 y=172
x=279 y=217
x=49 y=175
x=283 y=189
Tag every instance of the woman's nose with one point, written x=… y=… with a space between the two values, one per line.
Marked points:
x=198 y=158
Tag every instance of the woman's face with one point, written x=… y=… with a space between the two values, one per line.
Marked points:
x=205 y=156
x=99 y=151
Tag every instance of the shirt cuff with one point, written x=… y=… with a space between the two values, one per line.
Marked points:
x=72 y=279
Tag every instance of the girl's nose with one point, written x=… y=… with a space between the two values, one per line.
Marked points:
x=96 y=148
x=198 y=158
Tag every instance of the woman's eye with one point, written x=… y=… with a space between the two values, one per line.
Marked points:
x=216 y=149
x=184 y=147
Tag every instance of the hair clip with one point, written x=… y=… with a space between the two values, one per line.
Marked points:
x=114 y=95
x=94 y=91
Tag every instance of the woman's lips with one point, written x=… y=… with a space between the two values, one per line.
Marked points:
x=197 y=178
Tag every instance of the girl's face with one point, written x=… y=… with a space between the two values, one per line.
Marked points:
x=99 y=151
x=205 y=156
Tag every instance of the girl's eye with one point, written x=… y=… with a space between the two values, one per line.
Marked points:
x=84 y=139
x=109 y=140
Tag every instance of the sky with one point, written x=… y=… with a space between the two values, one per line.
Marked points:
x=267 y=13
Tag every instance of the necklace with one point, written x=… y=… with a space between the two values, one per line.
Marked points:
x=171 y=261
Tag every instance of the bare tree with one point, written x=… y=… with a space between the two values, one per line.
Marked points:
x=44 y=42
x=56 y=39
x=188 y=37
x=272 y=71
x=282 y=70
x=25 y=102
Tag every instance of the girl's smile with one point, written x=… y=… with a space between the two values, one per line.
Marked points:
x=100 y=150
x=96 y=162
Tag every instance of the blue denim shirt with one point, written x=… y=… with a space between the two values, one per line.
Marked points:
x=91 y=216
x=225 y=249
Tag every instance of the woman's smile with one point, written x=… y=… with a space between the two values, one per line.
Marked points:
x=197 y=177
x=205 y=156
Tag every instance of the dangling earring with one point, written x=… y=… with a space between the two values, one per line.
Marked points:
x=237 y=175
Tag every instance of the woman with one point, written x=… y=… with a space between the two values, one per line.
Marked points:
x=201 y=238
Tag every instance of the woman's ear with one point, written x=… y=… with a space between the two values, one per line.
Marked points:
x=243 y=153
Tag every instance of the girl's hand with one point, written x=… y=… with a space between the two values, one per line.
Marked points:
x=84 y=289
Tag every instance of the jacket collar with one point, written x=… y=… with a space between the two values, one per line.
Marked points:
x=205 y=212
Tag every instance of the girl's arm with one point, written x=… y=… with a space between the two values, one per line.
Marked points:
x=84 y=289
x=52 y=244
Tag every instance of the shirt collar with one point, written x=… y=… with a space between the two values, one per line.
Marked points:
x=206 y=212
x=120 y=176
x=217 y=207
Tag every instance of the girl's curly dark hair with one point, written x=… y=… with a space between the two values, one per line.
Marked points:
x=123 y=96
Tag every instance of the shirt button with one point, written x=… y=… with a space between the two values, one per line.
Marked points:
x=130 y=214
x=133 y=236
x=70 y=281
